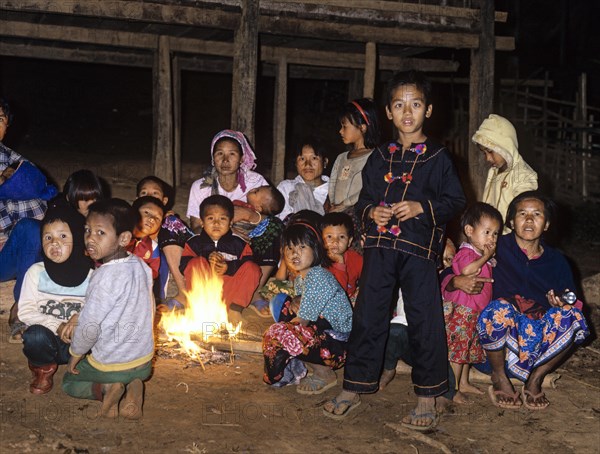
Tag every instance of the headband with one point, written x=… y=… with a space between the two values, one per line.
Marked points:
x=319 y=239
x=361 y=111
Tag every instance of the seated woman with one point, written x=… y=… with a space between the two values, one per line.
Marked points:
x=308 y=191
x=527 y=323
x=231 y=174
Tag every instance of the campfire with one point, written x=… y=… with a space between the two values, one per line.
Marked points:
x=204 y=318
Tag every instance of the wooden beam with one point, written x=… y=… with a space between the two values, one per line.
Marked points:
x=370 y=70
x=274 y=23
x=245 y=64
x=280 y=121
x=481 y=94
x=176 y=93
x=162 y=150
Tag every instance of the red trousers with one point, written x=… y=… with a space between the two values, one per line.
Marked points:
x=237 y=289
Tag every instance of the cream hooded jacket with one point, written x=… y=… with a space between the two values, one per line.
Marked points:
x=499 y=135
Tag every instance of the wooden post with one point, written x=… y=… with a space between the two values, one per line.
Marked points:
x=162 y=152
x=177 y=120
x=370 y=70
x=481 y=93
x=245 y=63
x=279 y=121
x=356 y=85
x=583 y=142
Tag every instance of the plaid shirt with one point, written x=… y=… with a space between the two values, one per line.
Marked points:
x=13 y=210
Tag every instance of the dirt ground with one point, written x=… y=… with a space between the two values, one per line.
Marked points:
x=226 y=408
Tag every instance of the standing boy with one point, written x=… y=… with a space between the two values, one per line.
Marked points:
x=116 y=321
x=410 y=190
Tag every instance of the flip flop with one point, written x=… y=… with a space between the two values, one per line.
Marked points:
x=525 y=394
x=494 y=398
x=317 y=385
x=337 y=404
x=435 y=419
x=259 y=307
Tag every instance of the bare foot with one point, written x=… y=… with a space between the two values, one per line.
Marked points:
x=460 y=399
x=468 y=388
x=442 y=404
x=112 y=393
x=386 y=377
x=131 y=407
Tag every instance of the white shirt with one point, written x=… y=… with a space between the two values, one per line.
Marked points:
x=287 y=186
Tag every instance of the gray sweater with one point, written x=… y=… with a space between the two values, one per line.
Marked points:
x=116 y=322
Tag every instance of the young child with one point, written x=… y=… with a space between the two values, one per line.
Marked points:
x=481 y=224
x=360 y=133
x=509 y=174
x=117 y=321
x=53 y=294
x=217 y=250
x=171 y=237
x=144 y=243
x=410 y=190
x=346 y=266
x=257 y=223
x=318 y=320
x=308 y=191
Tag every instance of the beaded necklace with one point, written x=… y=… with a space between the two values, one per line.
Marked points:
x=405 y=178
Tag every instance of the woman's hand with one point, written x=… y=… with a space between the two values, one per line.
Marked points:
x=471 y=284
x=381 y=215
x=406 y=210
x=554 y=300
x=72 y=366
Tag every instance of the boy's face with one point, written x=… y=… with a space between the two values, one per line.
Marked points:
x=336 y=240
x=215 y=221
x=260 y=198
x=484 y=234
x=408 y=110
x=101 y=240
x=3 y=124
x=57 y=241
x=309 y=165
x=493 y=158
x=153 y=189
x=150 y=222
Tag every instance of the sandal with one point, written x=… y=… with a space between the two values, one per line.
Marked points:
x=17 y=328
x=349 y=406
x=261 y=307
x=433 y=416
x=507 y=406
x=315 y=385
x=535 y=397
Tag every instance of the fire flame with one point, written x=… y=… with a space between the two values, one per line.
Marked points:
x=205 y=314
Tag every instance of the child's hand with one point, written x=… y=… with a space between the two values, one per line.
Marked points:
x=488 y=251
x=66 y=330
x=299 y=321
x=218 y=263
x=406 y=210
x=381 y=215
x=295 y=304
x=72 y=366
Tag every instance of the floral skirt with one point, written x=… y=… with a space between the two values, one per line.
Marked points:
x=461 y=333
x=530 y=343
x=316 y=343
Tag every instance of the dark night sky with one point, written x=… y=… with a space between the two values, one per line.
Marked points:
x=63 y=106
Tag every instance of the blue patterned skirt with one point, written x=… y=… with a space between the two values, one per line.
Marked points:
x=529 y=343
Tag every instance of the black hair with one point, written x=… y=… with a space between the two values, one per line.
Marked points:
x=475 y=212
x=277 y=201
x=350 y=112
x=6 y=109
x=217 y=200
x=412 y=77
x=165 y=187
x=302 y=233
x=140 y=201
x=83 y=185
x=310 y=217
x=314 y=143
x=122 y=214
x=228 y=139
x=338 y=218
x=549 y=206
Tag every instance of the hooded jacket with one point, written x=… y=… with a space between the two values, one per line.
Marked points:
x=498 y=134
